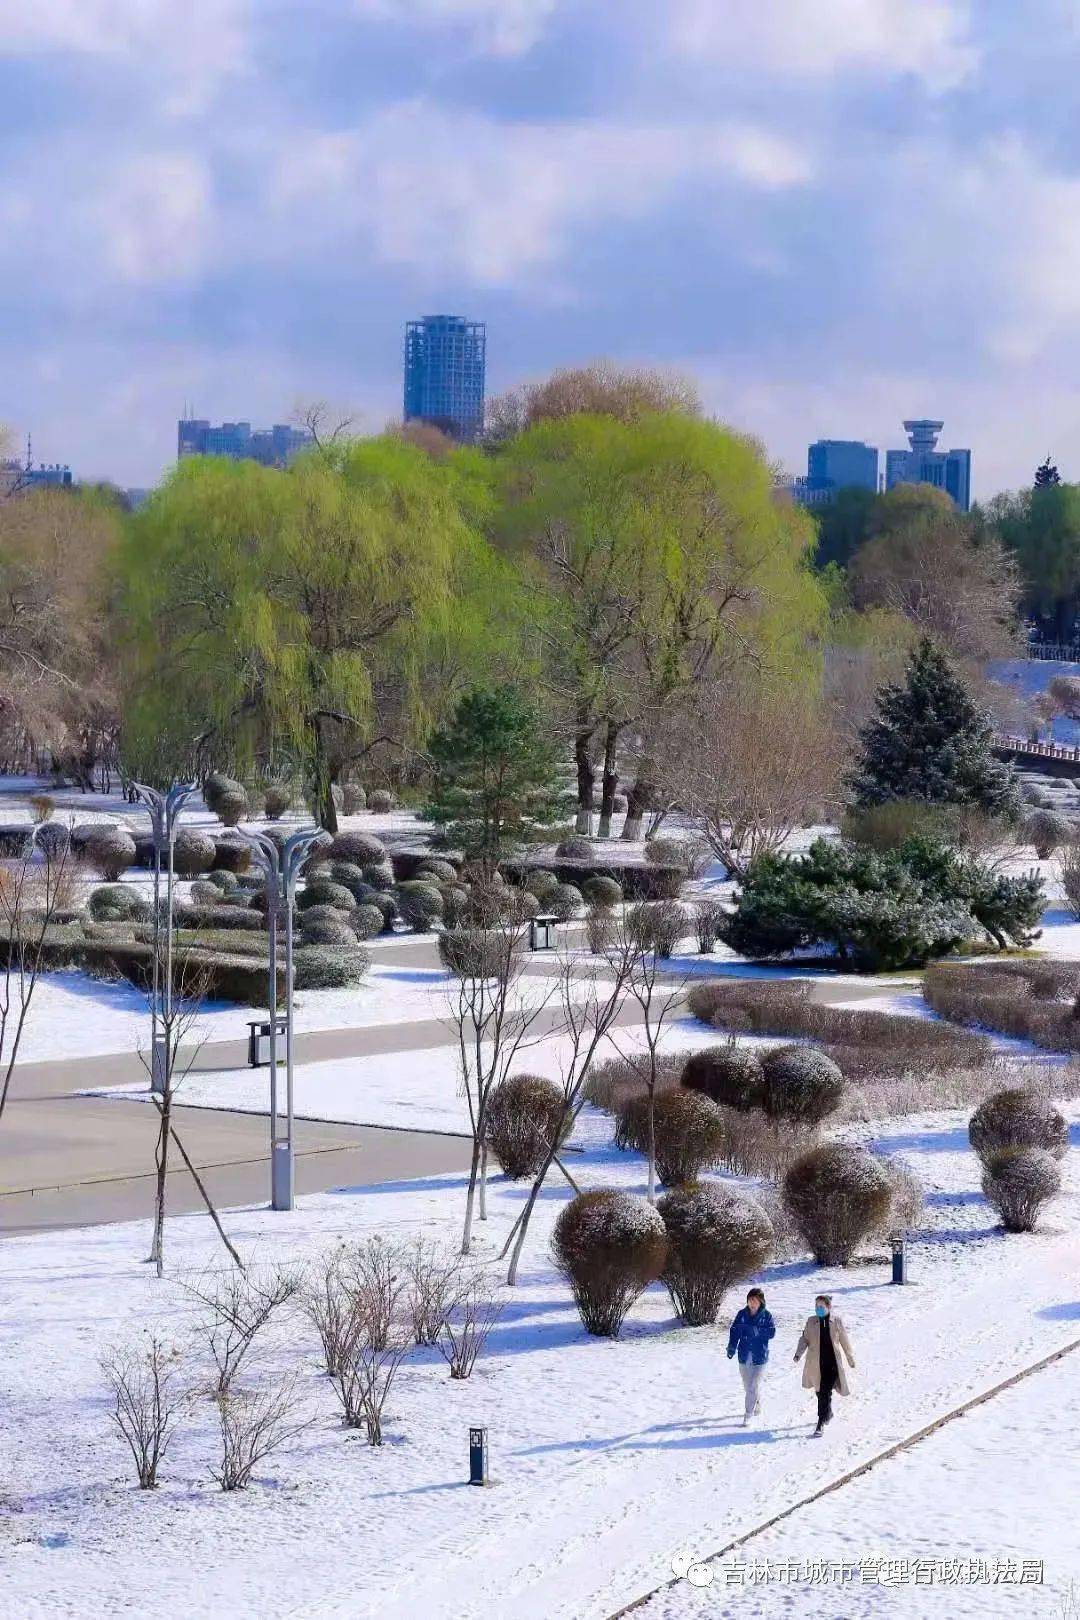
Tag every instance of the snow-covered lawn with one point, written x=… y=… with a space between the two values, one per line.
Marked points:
x=609 y=1457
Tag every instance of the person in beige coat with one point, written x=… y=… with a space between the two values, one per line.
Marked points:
x=821 y=1341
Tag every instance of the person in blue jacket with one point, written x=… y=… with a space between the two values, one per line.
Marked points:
x=750 y=1333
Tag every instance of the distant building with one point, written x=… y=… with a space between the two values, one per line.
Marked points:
x=833 y=464
x=924 y=463
x=16 y=476
x=273 y=447
x=444 y=374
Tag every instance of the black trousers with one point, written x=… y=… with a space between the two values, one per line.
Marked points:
x=824 y=1396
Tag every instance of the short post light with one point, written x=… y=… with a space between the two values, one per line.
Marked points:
x=478 y=1457
x=165 y=811
x=281 y=863
x=899 y=1258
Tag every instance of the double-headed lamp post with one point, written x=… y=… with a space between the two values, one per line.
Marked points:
x=165 y=811
x=281 y=865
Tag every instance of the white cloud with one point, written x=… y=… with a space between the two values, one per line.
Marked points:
x=500 y=27
x=154 y=215
x=929 y=38
x=496 y=200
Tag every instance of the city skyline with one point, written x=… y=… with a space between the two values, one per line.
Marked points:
x=256 y=205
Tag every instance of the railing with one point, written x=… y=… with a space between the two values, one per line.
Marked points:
x=1053 y=652
x=1040 y=750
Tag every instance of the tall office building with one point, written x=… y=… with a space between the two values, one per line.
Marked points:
x=924 y=463
x=444 y=374
x=833 y=464
x=273 y=447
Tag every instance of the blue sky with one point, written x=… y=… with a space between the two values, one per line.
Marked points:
x=833 y=213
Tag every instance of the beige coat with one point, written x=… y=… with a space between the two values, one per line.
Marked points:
x=810 y=1346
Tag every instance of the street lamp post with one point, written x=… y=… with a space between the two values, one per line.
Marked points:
x=281 y=865
x=165 y=811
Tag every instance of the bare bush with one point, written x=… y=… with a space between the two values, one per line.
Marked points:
x=906 y=1202
x=380 y=1334
x=254 y=1423
x=1029 y=1000
x=657 y=926
x=1068 y=871
x=327 y=1304
x=525 y=1116
x=1018 y=1181
x=42 y=807
x=609 y=1246
x=150 y=1399
x=599 y=928
x=1017 y=1118
x=715 y=1236
x=755 y=1145
x=688 y=1133
x=434 y=1279
x=609 y=1084
x=467 y=1324
x=708 y=916
x=838 y=1195
x=240 y=1305
x=1046 y=831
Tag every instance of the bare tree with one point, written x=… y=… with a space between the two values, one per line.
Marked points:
x=492 y=1024
x=326 y=424
x=379 y=1335
x=254 y=1423
x=35 y=888
x=468 y=1323
x=591 y=997
x=749 y=761
x=657 y=993
x=241 y=1304
x=150 y=1399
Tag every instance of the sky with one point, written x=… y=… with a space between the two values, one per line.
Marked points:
x=834 y=214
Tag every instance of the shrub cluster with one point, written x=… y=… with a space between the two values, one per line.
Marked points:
x=730 y=1075
x=688 y=1132
x=526 y=1116
x=609 y=1246
x=716 y=1236
x=1017 y=1118
x=657 y=926
x=1017 y=1182
x=1031 y=1000
x=837 y=1194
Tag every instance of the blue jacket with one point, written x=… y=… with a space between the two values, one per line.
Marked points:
x=750 y=1336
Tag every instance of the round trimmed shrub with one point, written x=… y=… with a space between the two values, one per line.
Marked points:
x=324 y=912
x=349 y=875
x=194 y=852
x=383 y=903
x=42 y=806
x=380 y=800
x=54 y=841
x=379 y=875
x=225 y=882
x=434 y=871
x=575 y=848
x=119 y=902
x=332 y=929
x=716 y=1236
x=205 y=893
x=477 y=953
x=620 y=803
x=688 y=1131
x=420 y=905
x=564 y=901
x=731 y=1076
x=542 y=884
x=490 y=904
x=277 y=800
x=657 y=926
x=329 y=967
x=602 y=891
x=801 y=1083
x=455 y=904
x=609 y=1246
x=215 y=785
x=1017 y=1118
x=111 y=850
x=358 y=848
x=599 y=928
x=1046 y=830
x=367 y=921
x=668 y=852
x=232 y=855
x=353 y=798
x=1018 y=1181
x=322 y=891
x=837 y=1195
x=232 y=805
x=526 y=1115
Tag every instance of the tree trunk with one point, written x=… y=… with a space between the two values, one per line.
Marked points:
x=638 y=800
x=483 y=1182
x=652 y=1143
x=610 y=780
x=470 y=1197
x=161 y=1160
x=586 y=777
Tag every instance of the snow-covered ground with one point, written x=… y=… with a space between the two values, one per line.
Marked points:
x=610 y=1458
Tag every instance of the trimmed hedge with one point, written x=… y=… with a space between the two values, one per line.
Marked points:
x=637 y=880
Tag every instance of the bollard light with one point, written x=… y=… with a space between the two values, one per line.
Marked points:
x=899 y=1260
x=478 y=1457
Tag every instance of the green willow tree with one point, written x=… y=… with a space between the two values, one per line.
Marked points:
x=280 y=616
x=658 y=555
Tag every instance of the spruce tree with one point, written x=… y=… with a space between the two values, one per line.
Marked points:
x=496 y=776
x=1047 y=475
x=930 y=741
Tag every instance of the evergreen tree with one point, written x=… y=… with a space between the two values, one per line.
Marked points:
x=496 y=776
x=930 y=741
x=1047 y=476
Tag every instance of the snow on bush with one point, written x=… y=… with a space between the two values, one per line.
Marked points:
x=366 y=921
x=729 y=1075
x=1018 y=1181
x=609 y=1246
x=574 y=848
x=716 y=1235
x=322 y=891
x=657 y=926
x=420 y=904
x=837 y=1195
x=276 y=800
x=119 y=903
x=111 y=850
x=563 y=901
x=801 y=1083
x=602 y=891
x=1017 y=1118
x=688 y=1132
x=1046 y=831
x=478 y=953
x=380 y=801
x=193 y=852
x=353 y=799
x=359 y=848
x=525 y=1115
